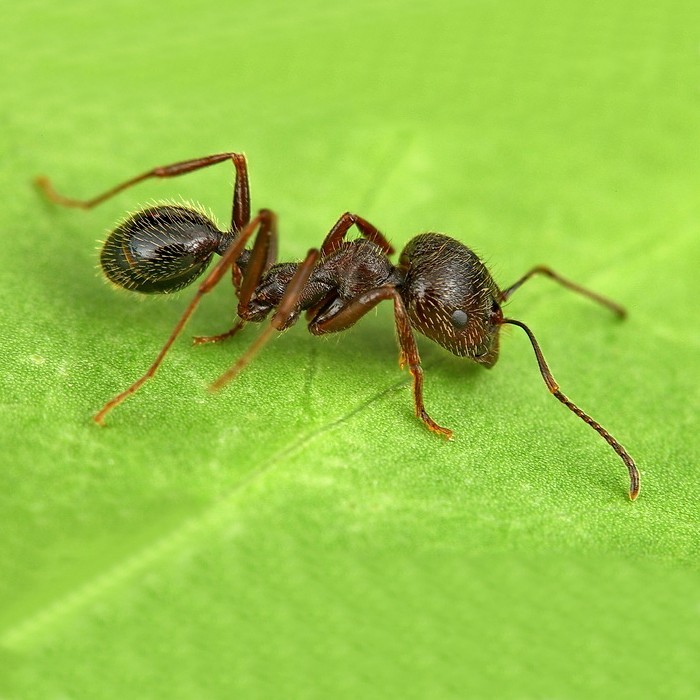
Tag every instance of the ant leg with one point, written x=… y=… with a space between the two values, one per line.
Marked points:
x=262 y=256
x=548 y=272
x=213 y=278
x=337 y=234
x=345 y=316
x=315 y=309
x=204 y=339
x=557 y=393
x=240 y=214
x=333 y=240
x=283 y=316
x=241 y=194
x=409 y=355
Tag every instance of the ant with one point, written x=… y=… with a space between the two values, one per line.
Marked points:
x=439 y=287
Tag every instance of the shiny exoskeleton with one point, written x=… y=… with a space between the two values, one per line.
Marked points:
x=438 y=287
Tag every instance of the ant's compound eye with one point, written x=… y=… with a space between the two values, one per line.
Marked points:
x=460 y=318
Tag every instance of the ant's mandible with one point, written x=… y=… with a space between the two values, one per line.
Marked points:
x=439 y=287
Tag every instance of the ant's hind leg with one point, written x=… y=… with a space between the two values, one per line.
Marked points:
x=343 y=317
x=262 y=257
x=204 y=339
x=241 y=197
x=213 y=278
x=282 y=318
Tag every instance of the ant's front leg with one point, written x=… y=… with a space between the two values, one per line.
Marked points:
x=338 y=316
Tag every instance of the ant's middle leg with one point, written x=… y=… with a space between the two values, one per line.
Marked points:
x=240 y=214
x=337 y=234
x=263 y=220
x=283 y=317
x=333 y=240
x=340 y=316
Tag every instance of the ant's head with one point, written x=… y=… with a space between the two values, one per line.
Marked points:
x=451 y=297
x=160 y=249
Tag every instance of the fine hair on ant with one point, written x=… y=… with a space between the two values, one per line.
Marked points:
x=439 y=286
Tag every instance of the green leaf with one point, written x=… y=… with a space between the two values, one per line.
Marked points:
x=301 y=534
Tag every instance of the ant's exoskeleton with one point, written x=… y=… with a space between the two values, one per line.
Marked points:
x=439 y=287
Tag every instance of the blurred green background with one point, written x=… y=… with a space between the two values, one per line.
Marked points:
x=301 y=535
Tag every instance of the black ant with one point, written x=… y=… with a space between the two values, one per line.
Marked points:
x=439 y=287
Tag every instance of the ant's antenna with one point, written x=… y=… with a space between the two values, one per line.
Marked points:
x=554 y=389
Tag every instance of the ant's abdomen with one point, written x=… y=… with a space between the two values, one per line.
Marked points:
x=160 y=249
x=449 y=295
